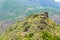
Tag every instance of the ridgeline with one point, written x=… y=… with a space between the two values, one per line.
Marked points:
x=33 y=27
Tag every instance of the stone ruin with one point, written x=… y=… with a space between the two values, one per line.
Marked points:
x=45 y=14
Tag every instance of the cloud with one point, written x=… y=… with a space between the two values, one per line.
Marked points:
x=40 y=7
x=57 y=0
x=34 y=8
x=30 y=8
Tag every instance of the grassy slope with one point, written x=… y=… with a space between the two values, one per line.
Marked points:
x=32 y=28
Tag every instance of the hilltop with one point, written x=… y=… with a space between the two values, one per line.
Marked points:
x=33 y=27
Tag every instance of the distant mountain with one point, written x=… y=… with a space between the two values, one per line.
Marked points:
x=56 y=18
x=33 y=27
x=5 y=24
x=13 y=9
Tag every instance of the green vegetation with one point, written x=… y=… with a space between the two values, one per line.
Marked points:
x=34 y=27
x=47 y=36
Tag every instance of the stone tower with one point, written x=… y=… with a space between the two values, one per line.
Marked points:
x=46 y=14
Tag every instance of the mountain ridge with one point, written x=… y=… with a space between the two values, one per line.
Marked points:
x=33 y=27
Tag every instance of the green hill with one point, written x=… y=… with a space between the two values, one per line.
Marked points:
x=33 y=27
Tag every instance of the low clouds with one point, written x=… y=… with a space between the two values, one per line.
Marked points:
x=30 y=8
